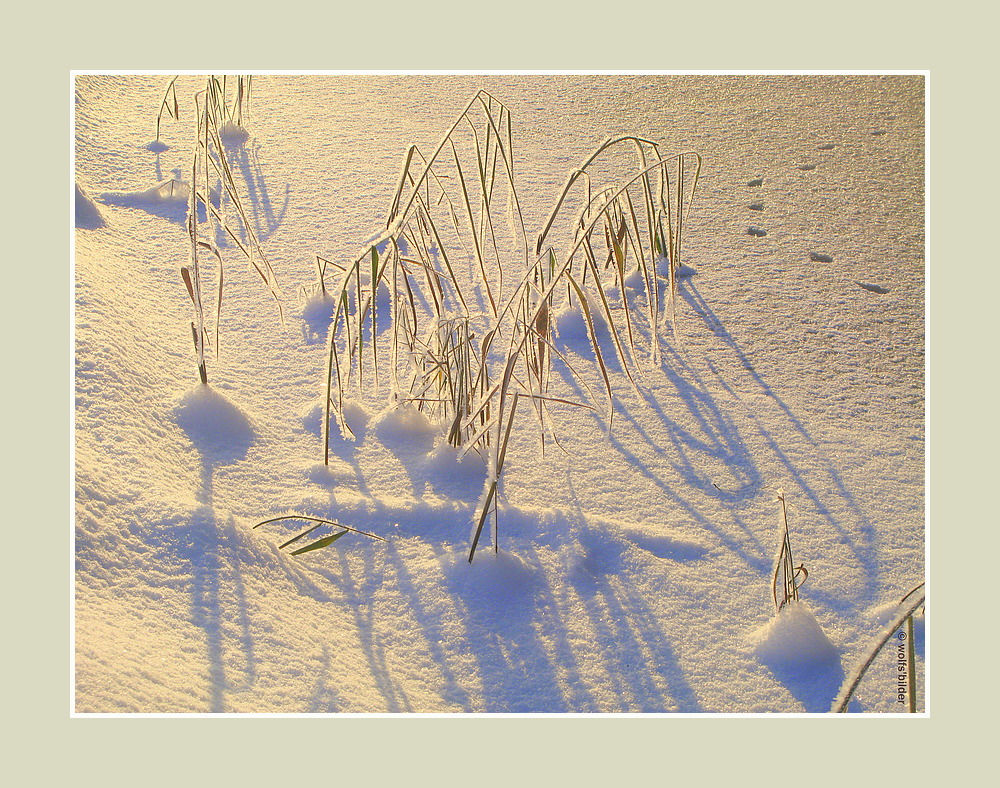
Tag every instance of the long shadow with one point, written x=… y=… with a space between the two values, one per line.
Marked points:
x=517 y=628
x=201 y=548
x=862 y=552
x=361 y=593
x=814 y=686
x=360 y=590
x=720 y=441
x=262 y=211
x=499 y=603
x=324 y=699
x=637 y=648
x=516 y=625
x=759 y=560
x=222 y=435
x=499 y=625
x=430 y=621
x=626 y=618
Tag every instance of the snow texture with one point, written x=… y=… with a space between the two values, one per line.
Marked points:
x=632 y=567
x=793 y=637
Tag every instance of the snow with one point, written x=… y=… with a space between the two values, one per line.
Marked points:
x=793 y=637
x=88 y=215
x=633 y=572
x=213 y=423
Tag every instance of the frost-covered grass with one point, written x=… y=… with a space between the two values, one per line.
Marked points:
x=635 y=571
x=213 y=194
x=902 y=628
x=622 y=220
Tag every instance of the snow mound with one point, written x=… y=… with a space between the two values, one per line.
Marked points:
x=571 y=325
x=663 y=269
x=793 y=637
x=406 y=424
x=355 y=414
x=330 y=475
x=233 y=136
x=88 y=215
x=170 y=190
x=317 y=310
x=492 y=576
x=634 y=280
x=214 y=424
x=167 y=199
x=445 y=461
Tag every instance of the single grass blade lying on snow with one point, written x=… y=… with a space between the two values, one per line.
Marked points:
x=321 y=521
x=326 y=540
x=302 y=535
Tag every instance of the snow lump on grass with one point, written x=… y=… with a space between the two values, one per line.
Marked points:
x=793 y=637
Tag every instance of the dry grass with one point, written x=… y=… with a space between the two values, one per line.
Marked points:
x=786 y=581
x=468 y=348
x=215 y=195
x=908 y=607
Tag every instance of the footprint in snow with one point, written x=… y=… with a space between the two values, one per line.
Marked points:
x=873 y=288
x=819 y=257
x=755 y=183
x=757 y=232
x=756 y=206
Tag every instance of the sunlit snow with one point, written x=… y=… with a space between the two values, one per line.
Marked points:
x=632 y=570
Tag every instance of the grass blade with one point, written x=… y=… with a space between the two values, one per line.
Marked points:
x=326 y=540
x=320 y=520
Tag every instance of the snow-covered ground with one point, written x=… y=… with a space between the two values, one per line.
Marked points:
x=634 y=572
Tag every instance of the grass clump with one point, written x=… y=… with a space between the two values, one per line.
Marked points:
x=469 y=349
x=785 y=583
x=216 y=211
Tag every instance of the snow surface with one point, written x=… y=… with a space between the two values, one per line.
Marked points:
x=633 y=572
